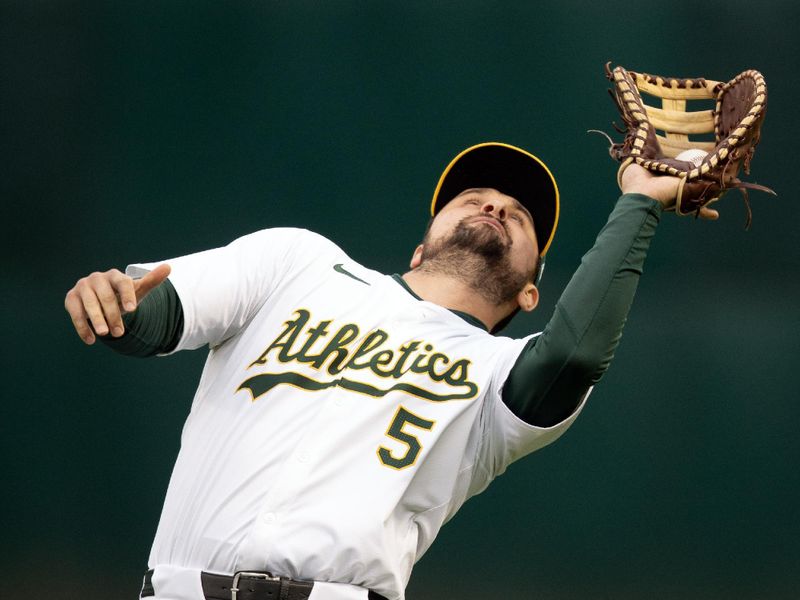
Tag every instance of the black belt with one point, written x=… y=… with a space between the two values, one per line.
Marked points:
x=248 y=585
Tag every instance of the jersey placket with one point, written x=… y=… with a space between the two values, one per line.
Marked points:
x=269 y=525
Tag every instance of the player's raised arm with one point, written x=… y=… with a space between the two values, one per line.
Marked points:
x=557 y=369
x=98 y=301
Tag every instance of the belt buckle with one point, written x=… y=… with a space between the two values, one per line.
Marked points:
x=256 y=574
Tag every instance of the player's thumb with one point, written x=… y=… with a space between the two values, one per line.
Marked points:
x=151 y=281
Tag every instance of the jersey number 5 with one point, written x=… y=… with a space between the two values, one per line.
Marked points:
x=402 y=418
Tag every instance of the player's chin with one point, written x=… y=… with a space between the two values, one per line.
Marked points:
x=485 y=233
x=494 y=249
x=482 y=239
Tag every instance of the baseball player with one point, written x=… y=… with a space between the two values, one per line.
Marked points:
x=343 y=415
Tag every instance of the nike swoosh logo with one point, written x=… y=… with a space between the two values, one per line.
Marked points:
x=340 y=269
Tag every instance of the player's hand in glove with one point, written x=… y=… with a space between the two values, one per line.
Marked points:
x=97 y=302
x=664 y=188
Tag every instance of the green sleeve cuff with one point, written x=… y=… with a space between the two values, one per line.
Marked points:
x=155 y=327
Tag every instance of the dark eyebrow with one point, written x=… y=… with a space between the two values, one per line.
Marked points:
x=469 y=191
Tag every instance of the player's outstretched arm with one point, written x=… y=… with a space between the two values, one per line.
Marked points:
x=555 y=370
x=97 y=302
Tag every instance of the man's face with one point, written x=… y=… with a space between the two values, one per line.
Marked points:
x=491 y=224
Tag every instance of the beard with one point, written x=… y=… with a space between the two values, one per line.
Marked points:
x=477 y=256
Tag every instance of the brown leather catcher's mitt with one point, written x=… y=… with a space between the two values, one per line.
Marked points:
x=658 y=138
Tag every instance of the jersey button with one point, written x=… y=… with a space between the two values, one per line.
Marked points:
x=270 y=518
x=303 y=456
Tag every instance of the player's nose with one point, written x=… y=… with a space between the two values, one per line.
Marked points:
x=495 y=209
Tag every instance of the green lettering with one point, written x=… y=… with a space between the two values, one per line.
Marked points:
x=381 y=359
x=314 y=334
x=432 y=364
x=371 y=342
x=285 y=339
x=337 y=347
x=398 y=371
x=457 y=374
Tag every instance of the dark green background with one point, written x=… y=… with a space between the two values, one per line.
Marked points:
x=142 y=130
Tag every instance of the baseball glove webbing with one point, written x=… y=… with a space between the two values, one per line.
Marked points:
x=655 y=137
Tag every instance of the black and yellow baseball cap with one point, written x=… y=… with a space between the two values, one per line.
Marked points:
x=511 y=171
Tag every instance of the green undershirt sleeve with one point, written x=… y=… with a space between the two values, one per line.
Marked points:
x=556 y=369
x=155 y=327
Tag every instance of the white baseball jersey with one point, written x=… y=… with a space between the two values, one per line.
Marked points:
x=338 y=423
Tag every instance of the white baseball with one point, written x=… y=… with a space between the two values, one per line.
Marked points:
x=693 y=155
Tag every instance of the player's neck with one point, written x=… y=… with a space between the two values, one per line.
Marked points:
x=452 y=292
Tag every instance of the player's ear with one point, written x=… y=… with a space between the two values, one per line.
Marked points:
x=416 y=258
x=528 y=297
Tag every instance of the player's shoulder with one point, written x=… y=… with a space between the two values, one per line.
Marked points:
x=295 y=238
x=505 y=349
